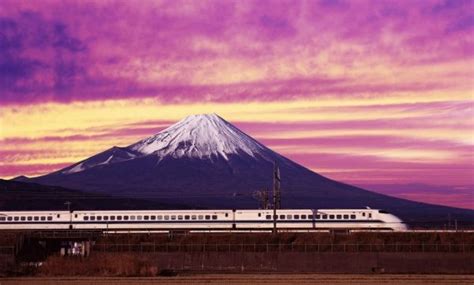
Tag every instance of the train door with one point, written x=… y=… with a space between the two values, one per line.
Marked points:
x=71 y=212
x=233 y=219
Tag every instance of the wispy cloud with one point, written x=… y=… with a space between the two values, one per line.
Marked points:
x=182 y=51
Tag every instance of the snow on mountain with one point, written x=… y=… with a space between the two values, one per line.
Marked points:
x=200 y=136
x=205 y=136
x=110 y=156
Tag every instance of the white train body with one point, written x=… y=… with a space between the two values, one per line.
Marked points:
x=202 y=220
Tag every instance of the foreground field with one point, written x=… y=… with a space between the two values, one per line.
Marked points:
x=152 y=255
x=321 y=279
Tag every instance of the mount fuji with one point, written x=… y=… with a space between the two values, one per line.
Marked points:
x=204 y=161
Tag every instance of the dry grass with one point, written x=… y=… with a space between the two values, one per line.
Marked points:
x=99 y=264
x=293 y=238
x=256 y=279
x=148 y=264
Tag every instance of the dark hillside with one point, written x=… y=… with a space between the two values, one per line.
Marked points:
x=22 y=196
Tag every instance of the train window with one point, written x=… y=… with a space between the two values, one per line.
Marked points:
x=92 y=218
x=346 y=217
x=160 y=217
x=303 y=217
x=139 y=218
x=363 y=214
x=75 y=216
x=331 y=217
x=259 y=214
x=2 y=218
x=153 y=217
x=288 y=217
x=50 y=218
x=125 y=218
x=9 y=218
x=173 y=217
x=268 y=217
x=166 y=217
x=317 y=217
x=282 y=217
x=296 y=217
x=353 y=217
x=99 y=218
x=226 y=214
x=16 y=218
x=42 y=218
x=208 y=217
x=112 y=218
x=200 y=217
x=338 y=216
x=214 y=217
x=180 y=217
x=146 y=218
x=370 y=215
x=325 y=217
x=193 y=217
x=29 y=218
x=119 y=218
x=186 y=217
x=22 y=218
x=132 y=218
x=59 y=215
x=106 y=218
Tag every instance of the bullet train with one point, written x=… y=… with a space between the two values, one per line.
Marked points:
x=203 y=220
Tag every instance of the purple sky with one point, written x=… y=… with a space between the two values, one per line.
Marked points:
x=374 y=93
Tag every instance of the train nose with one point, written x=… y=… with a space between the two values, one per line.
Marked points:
x=402 y=227
x=398 y=224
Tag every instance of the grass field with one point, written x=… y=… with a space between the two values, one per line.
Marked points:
x=255 y=279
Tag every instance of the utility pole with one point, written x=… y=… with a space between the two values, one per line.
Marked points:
x=68 y=204
x=277 y=186
x=276 y=194
x=262 y=197
x=265 y=198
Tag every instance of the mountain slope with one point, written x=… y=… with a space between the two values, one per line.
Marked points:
x=22 y=196
x=204 y=161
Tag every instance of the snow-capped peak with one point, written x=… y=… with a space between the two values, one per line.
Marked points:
x=199 y=136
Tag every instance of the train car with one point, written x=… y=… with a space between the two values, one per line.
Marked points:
x=203 y=220
x=160 y=220
x=27 y=220
x=362 y=219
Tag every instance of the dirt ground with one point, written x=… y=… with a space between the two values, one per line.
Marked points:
x=229 y=279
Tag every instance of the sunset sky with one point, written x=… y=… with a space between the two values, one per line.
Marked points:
x=374 y=93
